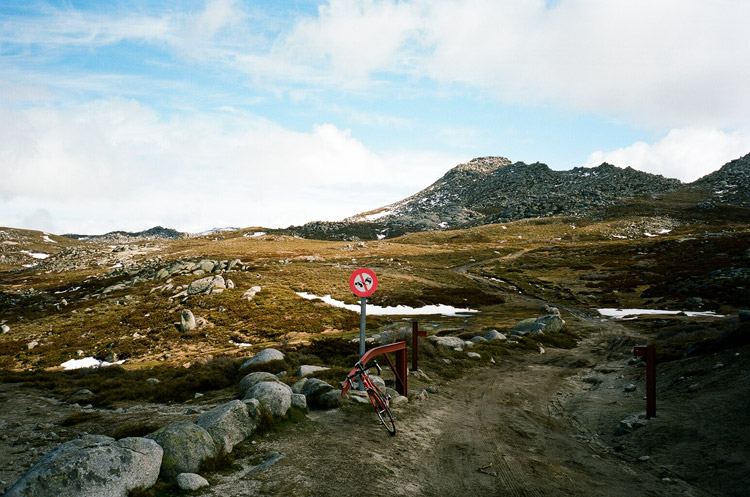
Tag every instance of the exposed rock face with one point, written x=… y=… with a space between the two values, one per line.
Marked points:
x=209 y=284
x=730 y=184
x=228 y=424
x=276 y=397
x=93 y=466
x=186 y=445
x=489 y=190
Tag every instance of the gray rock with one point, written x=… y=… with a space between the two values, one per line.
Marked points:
x=230 y=284
x=81 y=396
x=478 y=339
x=306 y=370
x=474 y=355
x=299 y=401
x=329 y=400
x=191 y=481
x=378 y=381
x=92 y=466
x=253 y=379
x=186 y=445
x=206 y=265
x=5 y=328
x=630 y=388
x=299 y=386
x=250 y=293
x=549 y=323
x=187 y=320
x=264 y=356
x=276 y=397
x=495 y=335
x=631 y=423
x=453 y=343
x=161 y=274
x=234 y=264
x=228 y=424
x=399 y=400
x=206 y=285
x=314 y=387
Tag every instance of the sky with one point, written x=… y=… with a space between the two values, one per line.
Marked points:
x=201 y=114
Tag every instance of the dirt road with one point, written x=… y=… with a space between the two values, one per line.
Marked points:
x=514 y=429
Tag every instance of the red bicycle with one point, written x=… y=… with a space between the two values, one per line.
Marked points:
x=379 y=400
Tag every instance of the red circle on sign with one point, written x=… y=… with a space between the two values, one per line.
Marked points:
x=363 y=282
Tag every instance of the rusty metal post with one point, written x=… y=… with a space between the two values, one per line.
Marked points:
x=415 y=334
x=650 y=352
x=401 y=375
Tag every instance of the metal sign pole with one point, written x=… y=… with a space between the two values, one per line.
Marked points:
x=362 y=327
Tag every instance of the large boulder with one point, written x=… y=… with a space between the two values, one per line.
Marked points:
x=209 y=284
x=264 y=356
x=191 y=482
x=228 y=424
x=186 y=445
x=252 y=379
x=276 y=397
x=549 y=323
x=187 y=320
x=315 y=391
x=92 y=466
x=453 y=343
x=494 y=335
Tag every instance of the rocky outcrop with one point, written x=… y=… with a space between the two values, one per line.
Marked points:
x=490 y=190
x=228 y=424
x=186 y=445
x=93 y=466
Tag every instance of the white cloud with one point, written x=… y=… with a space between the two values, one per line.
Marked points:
x=119 y=165
x=686 y=154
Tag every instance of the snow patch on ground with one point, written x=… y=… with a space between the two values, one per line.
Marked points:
x=87 y=362
x=399 y=310
x=622 y=313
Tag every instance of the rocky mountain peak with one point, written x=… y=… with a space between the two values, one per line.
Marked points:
x=483 y=165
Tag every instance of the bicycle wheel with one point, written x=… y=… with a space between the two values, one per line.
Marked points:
x=382 y=410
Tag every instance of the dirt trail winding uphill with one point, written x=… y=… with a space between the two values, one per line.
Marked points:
x=502 y=430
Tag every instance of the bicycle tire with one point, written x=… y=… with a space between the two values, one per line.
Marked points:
x=382 y=410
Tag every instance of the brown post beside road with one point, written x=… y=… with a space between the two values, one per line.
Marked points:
x=650 y=352
x=415 y=334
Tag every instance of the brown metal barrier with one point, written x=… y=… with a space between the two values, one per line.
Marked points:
x=399 y=370
x=650 y=352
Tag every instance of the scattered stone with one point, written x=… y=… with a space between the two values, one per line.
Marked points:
x=230 y=284
x=494 y=335
x=419 y=395
x=307 y=370
x=399 y=400
x=644 y=458
x=191 y=481
x=478 y=339
x=453 y=343
x=93 y=465
x=630 y=388
x=153 y=381
x=264 y=356
x=549 y=323
x=694 y=387
x=81 y=396
x=474 y=355
x=631 y=423
x=187 y=320
x=32 y=345
x=541 y=350
x=5 y=328
x=208 y=285
x=228 y=424
x=186 y=445
x=431 y=389
x=718 y=365
x=250 y=293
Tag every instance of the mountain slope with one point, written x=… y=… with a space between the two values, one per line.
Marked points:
x=489 y=190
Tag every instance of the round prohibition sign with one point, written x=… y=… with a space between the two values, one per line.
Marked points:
x=363 y=282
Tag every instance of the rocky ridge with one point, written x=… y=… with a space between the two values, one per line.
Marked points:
x=489 y=190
